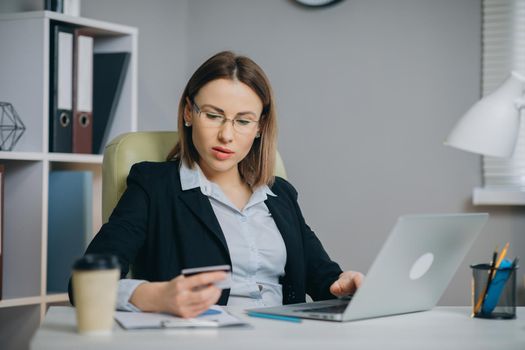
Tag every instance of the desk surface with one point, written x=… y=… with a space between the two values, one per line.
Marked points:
x=440 y=328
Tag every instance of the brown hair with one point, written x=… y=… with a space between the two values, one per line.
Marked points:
x=257 y=168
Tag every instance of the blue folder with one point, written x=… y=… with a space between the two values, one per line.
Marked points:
x=70 y=224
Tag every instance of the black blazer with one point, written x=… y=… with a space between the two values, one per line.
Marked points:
x=160 y=229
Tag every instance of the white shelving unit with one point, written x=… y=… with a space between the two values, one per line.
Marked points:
x=24 y=82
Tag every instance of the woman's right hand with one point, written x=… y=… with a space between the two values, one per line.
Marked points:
x=182 y=296
x=190 y=296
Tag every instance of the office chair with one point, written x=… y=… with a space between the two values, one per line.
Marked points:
x=133 y=147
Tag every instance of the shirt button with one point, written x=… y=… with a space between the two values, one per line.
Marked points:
x=243 y=219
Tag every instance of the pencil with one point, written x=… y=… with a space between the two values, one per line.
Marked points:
x=502 y=255
x=493 y=269
x=481 y=296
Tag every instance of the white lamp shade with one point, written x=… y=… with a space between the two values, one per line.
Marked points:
x=491 y=126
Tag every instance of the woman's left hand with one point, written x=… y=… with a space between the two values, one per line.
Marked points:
x=347 y=283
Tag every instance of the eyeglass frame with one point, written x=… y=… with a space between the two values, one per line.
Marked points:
x=198 y=110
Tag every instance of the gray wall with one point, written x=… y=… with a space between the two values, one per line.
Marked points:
x=163 y=53
x=366 y=90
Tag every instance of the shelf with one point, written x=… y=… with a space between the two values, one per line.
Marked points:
x=497 y=196
x=53 y=157
x=56 y=298
x=20 y=302
x=100 y=27
x=75 y=158
x=31 y=156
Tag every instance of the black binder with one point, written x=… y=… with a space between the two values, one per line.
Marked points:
x=109 y=70
x=61 y=85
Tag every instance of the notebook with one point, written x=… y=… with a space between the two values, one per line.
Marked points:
x=410 y=273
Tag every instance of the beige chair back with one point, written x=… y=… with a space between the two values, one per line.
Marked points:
x=134 y=147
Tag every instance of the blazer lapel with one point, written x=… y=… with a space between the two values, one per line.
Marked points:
x=284 y=219
x=201 y=207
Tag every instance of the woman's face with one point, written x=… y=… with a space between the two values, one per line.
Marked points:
x=222 y=146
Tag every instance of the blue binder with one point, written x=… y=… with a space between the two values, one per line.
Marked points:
x=69 y=224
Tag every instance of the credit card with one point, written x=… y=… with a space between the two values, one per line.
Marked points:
x=224 y=284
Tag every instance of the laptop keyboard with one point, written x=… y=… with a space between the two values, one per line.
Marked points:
x=335 y=309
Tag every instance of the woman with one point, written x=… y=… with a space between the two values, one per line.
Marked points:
x=215 y=202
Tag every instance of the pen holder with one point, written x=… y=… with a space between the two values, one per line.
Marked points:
x=493 y=291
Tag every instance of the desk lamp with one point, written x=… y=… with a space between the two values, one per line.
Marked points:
x=491 y=126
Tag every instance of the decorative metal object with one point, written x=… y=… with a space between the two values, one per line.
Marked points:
x=11 y=127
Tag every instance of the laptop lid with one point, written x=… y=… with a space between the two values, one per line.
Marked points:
x=415 y=264
x=410 y=273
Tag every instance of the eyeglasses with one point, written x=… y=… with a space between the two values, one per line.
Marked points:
x=244 y=124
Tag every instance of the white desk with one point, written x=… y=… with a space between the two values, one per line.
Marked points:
x=441 y=328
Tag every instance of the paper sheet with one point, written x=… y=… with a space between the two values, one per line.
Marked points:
x=214 y=317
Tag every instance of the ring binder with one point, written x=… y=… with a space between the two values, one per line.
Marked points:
x=83 y=93
x=61 y=85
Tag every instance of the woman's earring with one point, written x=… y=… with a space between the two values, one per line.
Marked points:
x=188 y=124
x=257 y=135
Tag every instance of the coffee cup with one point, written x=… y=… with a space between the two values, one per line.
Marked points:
x=95 y=281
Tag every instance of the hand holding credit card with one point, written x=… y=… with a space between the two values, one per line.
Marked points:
x=224 y=284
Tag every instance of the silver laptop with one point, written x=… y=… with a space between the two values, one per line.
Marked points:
x=410 y=273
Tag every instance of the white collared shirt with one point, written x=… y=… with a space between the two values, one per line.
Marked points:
x=256 y=247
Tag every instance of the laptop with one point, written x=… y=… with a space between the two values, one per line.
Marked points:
x=410 y=273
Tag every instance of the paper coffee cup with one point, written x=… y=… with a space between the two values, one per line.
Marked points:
x=95 y=281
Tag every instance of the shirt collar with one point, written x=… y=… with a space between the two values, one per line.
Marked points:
x=193 y=177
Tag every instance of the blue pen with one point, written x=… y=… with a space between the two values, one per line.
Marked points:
x=275 y=317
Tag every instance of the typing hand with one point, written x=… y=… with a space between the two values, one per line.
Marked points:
x=347 y=283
